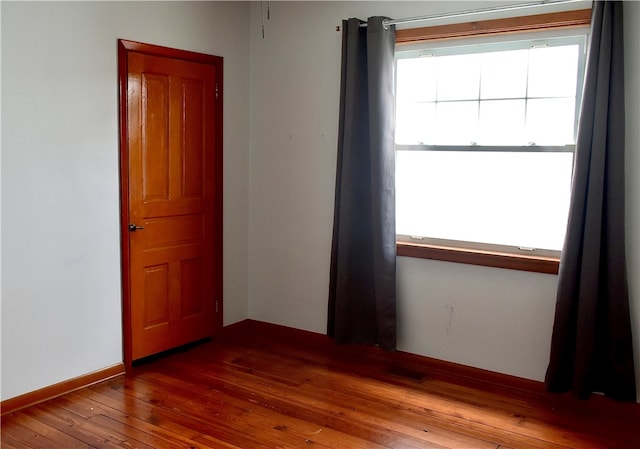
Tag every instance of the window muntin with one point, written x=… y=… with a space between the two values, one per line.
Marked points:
x=494 y=129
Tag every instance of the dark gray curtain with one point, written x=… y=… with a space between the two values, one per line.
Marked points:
x=362 y=286
x=591 y=348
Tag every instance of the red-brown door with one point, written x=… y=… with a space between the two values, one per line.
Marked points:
x=172 y=222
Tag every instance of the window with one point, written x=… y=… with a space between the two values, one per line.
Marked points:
x=485 y=134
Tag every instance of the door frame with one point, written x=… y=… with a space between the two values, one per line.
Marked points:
x=124 y=48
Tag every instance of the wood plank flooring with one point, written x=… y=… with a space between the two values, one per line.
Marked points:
x=263 y=386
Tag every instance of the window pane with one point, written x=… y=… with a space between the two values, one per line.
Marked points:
x=415 y=122
x=504 y=74
x=518 y=199
x=518 y=95
x=551 y=121
x=456 y=123
x=458 y=77
x=501 y=122
x=553 y=71
x=416 y=80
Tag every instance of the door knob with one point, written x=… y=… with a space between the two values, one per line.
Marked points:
x=134 y=228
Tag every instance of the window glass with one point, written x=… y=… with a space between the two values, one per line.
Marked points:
x=551 y=121
x=502 y=122
x=464 y=88
x=416 y=80
x=415 y=123
x=504 y=74
x=458 y=77
x=456 y=123
x=486 y=135
x=518 y=199
x=552 y=71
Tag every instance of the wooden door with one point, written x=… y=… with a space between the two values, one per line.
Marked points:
x=171 y=159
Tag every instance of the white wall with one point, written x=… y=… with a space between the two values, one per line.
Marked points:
x=61 y=290
x=632 y=175
x=490 y=318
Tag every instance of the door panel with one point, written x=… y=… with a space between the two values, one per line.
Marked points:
x=173 y=156
x=153 y=106
x=156 y=282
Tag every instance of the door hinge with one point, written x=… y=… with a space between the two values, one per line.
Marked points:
x=217 y=91
x=217 y=306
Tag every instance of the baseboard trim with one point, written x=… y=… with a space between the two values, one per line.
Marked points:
x=43 y=394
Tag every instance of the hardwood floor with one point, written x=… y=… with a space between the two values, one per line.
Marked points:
x=263 y=386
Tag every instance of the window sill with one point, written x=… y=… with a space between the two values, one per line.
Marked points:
x=536 y=264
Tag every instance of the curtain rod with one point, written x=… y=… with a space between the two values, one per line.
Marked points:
x=388 y=22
